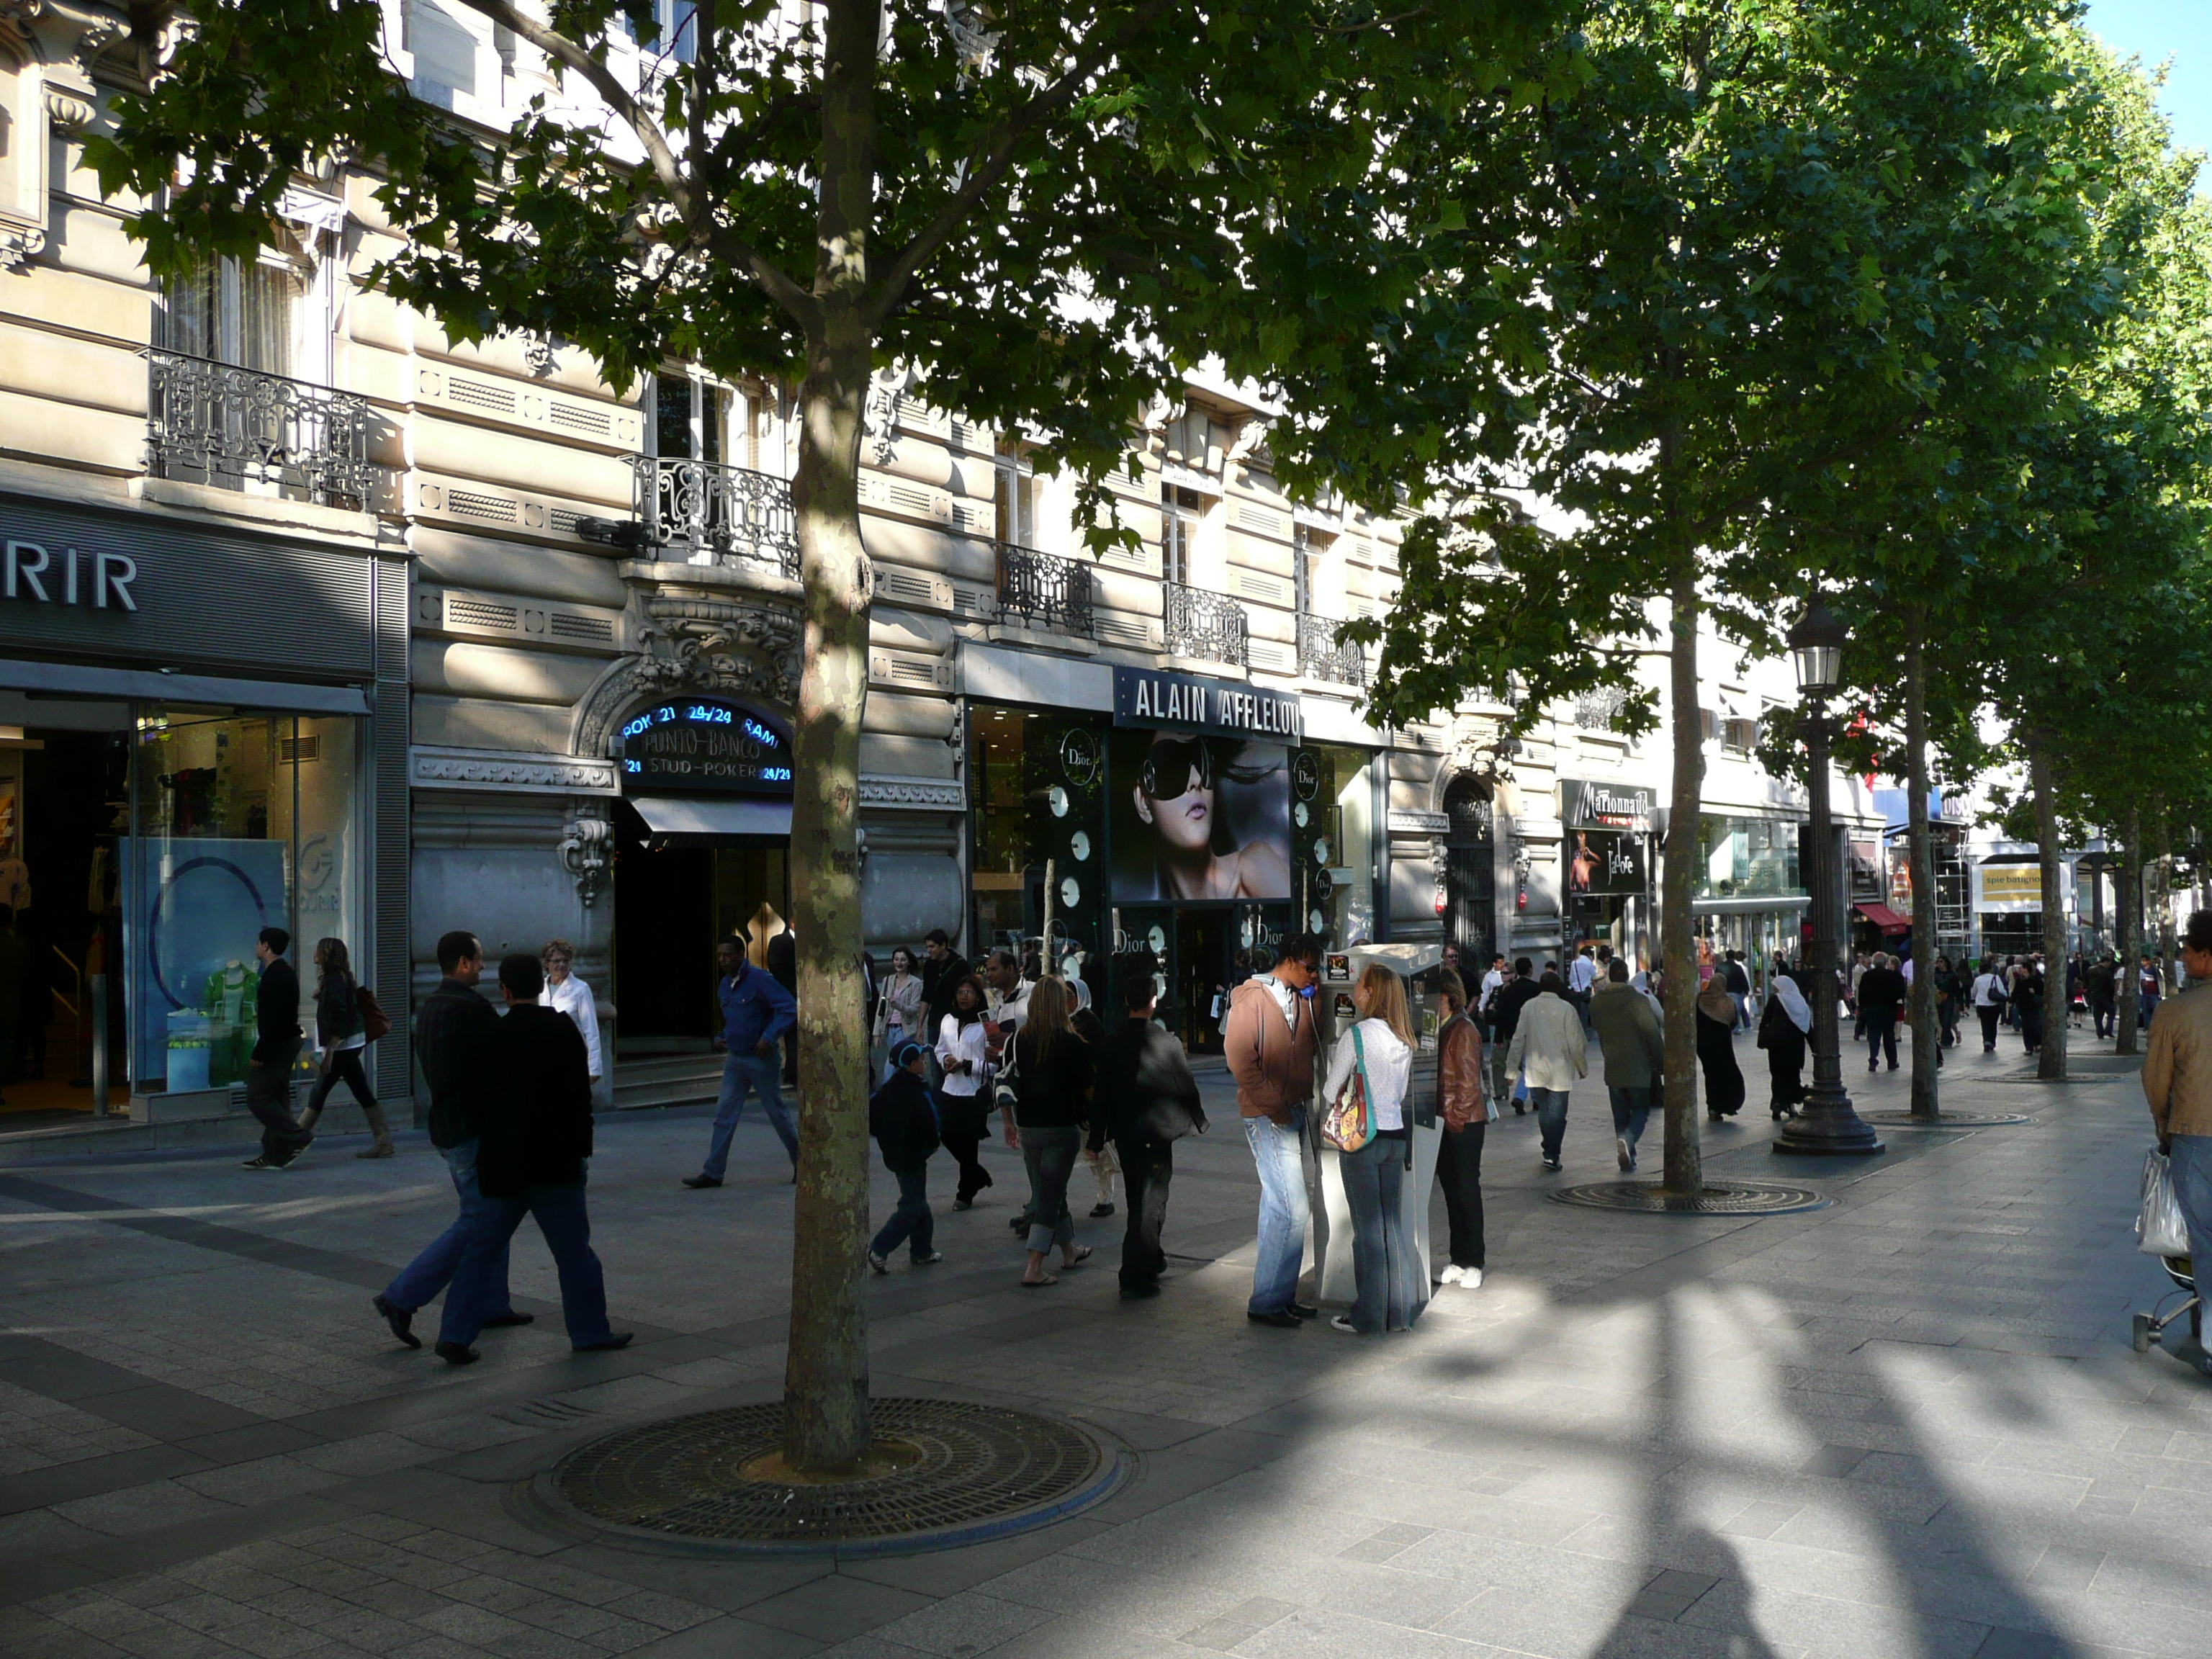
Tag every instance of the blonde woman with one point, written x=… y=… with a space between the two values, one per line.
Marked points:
x=1053 y=1071
x=1387 y=1295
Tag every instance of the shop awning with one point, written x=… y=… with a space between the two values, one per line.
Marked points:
x=151 y=685
x=1882 y=917
x=712 y=815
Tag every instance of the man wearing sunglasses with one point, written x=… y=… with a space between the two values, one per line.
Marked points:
x=1270 y=1038
x=1175 y=798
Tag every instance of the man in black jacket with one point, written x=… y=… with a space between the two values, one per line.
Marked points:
x=1505 y=1008
x=1146 y=1100
x=534 y=1124
x=1883 y=992
x=943 y=968
x=275 y=1047
x=454 y=1034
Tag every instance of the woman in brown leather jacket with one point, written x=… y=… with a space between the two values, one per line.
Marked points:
x=1458 y=1159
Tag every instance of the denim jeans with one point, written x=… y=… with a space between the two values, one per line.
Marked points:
x=2191 y=1165
x=911 y=1223
x=765 y=1077
x=421 y=1279
x=478 y=1295
x=1551 y=1106
x=1283 y=1210
x=1384 y=1297
x=1049 y=1155
x=1632 y=1111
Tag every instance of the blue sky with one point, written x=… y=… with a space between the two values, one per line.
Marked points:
x=2158 y=29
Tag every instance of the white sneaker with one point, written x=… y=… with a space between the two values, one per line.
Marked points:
x=1448 y=1276
x=1623 y=1154
x=1470 y=1279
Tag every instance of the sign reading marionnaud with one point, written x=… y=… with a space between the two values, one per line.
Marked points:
x=1182 y=702
x=1588 y=805
x=47 y=576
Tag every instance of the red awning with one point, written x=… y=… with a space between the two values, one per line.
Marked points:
x=1882 y=917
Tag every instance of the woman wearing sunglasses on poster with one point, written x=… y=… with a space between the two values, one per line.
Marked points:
x=1176 y=796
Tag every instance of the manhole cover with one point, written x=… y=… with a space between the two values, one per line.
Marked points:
x=1719 y=1198
x=959 y=1471
x=1947 y=1120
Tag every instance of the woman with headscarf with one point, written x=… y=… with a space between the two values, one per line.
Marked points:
x=1717 y=1049
x=1782 y=1029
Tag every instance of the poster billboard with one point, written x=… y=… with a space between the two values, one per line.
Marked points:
x=1197 y=815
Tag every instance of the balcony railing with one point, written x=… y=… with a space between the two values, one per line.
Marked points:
x=1043 y=590
x=715 y=515
x=1320 y=658
x=1197 y=624
x=218 y=425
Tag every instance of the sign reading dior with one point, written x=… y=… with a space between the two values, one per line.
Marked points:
x=103 y=581
x=1144 y=698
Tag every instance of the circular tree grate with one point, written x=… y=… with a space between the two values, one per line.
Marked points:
x=1947 y=1120
x=953 y=1471
x=1719 y=1198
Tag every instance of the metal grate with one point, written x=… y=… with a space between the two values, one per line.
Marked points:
x=1718 y=1198
x=686 y=1477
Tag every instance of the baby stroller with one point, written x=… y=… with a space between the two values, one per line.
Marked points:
x=2150 y=1326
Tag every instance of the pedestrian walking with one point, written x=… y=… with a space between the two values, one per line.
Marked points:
x=453 y=1033
x=1549 y=1047
x=1883 y=992
x=569 y=995
x=1099 y=1155
x=1269 y=1040
x=276 y=1040
x=343 y=1013
x=1054 y=1071
x=1716 y=1041
x=1950 y=994
x=1988 y=999
x=1465 y=1112
x=899 y=1017
x=1581 y=975
x=902 y=1118
x=2101 y=982
x=1389 y=1287
x=1512 y=1000
x=757 y=1011
x=2146 y=993
x=2028 y=994
x=1782 y=1029
x=1631 y=1034
x=1145 y=1100
x=1739 y=987
x=942 y=969
x=963 y=1102
x=2177 y=1080
x=534 y=1148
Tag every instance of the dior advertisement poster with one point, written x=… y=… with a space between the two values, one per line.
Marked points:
x=1198 y=816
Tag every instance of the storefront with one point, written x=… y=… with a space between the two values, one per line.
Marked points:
x=1750 y=894
x=2008 y=902
x=1606 y=866
x=191 y=725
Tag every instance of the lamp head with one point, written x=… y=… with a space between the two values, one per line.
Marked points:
x=1816 y=650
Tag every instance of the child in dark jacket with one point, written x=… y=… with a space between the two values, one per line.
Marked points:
x=902 y=1118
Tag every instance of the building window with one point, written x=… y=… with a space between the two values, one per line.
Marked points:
x=247 y=315
x=1182 y=511
x=677 y=33
x=1015 y=493
x=1309 y=556
x=686 y=422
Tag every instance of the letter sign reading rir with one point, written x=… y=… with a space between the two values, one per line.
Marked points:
x=698 y=745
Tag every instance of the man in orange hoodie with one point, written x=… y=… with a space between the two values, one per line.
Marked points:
x=1270 y=1036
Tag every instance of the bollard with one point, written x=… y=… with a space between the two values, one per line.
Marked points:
x=97 y=985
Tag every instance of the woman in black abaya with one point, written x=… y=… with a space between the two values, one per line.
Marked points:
x=1716 y=1014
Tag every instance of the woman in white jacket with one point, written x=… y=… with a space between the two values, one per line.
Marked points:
x=1389 y=1285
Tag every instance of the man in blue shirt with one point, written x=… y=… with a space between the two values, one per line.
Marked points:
x=756 y=1013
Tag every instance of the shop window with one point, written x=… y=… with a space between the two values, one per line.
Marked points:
x=1746 y=858
x=239 y=822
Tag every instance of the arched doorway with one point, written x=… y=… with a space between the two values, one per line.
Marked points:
x=1470 y=872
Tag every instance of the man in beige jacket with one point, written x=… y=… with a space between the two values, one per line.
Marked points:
x=2176 y=1078
x=1550 y=1043
x=1269 y=1038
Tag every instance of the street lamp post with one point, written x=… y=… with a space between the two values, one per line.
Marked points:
x=1826 y=1123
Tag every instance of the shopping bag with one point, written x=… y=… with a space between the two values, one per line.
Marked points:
x=2159 y=1230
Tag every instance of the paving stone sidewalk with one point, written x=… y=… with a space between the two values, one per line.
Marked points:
x=1908 y=1423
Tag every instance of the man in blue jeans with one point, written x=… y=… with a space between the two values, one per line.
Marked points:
x=1269 y=1038
x=2177 y=1080
x=756 y=1013
x=454 y=1032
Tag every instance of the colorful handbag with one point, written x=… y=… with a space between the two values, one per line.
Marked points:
x=1349 y=1122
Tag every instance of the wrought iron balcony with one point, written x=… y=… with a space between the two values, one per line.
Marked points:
x=218 y=425
x=1043 y=590
x=1197 y=624
x=710 y=514
x=1322 y=658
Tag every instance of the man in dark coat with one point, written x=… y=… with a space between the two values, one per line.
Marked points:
x=453 y=1033
x=943 y=968
x=275 y=1047
x=1883 y=992
x=1146 y=1100
x=534 y=1139
x=1516 y=994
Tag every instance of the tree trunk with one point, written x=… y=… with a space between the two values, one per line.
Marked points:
x=825 y=1388
x=1927 y=1053
x=1685 y=1162
x=2050 y=1058
x=2126 y=889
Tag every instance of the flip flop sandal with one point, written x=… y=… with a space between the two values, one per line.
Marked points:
x=1036 y=1284
x=1082 y=1255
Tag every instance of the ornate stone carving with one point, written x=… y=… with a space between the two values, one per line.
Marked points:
x=913 y=795
x=65 y=111
x=541 y=355
x=886 y=393
x=694 y=643
x=19 y=244
x=432 y=768
x=587 y=850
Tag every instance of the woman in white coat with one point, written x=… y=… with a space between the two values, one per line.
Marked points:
x=1389 y=1285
